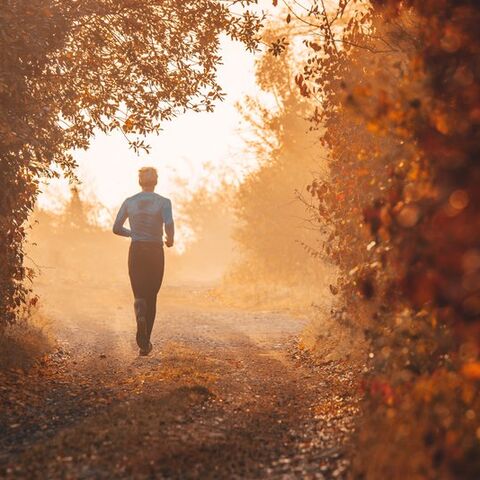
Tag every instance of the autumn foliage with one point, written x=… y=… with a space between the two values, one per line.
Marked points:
x=397 y=85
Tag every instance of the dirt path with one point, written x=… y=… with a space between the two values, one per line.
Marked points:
x=223 y=395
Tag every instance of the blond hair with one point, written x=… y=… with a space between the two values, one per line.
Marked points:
x=147 y=177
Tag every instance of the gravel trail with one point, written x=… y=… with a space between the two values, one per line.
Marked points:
x=224 y=394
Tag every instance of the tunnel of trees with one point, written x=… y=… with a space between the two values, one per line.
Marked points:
x=389 y=89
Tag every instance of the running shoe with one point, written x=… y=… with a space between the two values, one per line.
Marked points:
x=146 y=351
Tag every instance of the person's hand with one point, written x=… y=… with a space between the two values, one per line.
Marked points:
x=169 y=242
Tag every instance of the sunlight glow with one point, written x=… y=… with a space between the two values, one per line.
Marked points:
x=196 y=149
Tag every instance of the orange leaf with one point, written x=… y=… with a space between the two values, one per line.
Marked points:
x=373 y=127
x=471 y=370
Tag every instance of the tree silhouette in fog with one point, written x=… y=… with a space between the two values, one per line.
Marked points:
x=271 y=219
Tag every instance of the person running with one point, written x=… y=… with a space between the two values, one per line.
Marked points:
x=147 y=213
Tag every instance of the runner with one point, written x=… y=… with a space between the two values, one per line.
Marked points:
x=147 y=213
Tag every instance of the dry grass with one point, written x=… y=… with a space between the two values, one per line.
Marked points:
x=22 y=344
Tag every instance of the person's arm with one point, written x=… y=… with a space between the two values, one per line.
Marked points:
x=169 y=224
x=170 y=232
x=118 y=227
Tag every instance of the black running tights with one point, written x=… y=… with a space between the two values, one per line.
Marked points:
x=146 y=263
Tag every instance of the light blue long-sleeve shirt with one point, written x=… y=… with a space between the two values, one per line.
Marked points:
x=147 y=212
